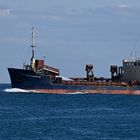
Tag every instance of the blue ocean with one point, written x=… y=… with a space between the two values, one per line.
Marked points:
x=33 y=116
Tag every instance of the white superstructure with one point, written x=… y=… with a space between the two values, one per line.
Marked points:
x=131 y=69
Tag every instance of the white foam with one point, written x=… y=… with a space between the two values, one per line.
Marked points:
x=76 y=93
x=15 y=90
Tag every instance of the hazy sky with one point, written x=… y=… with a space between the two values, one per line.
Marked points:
x=69 y=33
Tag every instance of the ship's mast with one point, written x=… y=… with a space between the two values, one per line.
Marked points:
x=33 y=46
x=33 y=41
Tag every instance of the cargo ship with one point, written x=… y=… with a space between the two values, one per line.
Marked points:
x=40 y=78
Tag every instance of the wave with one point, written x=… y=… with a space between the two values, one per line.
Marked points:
x=15 y=90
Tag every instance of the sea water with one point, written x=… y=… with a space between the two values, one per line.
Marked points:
x=33 y=116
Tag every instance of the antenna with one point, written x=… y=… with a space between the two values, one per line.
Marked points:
x=135 y=46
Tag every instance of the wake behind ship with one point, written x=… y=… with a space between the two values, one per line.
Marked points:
x=38 y=77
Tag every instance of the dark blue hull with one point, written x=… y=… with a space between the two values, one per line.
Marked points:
x=28 y=79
